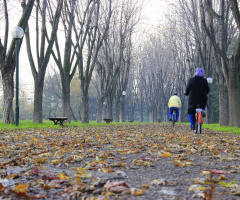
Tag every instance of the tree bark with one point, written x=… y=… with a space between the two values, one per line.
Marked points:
x=223 y=105
x=8 y=93
x=109 y=108
x=117 y=110
x=85 y=106
x=234 y=95
x=66 y=101
x=99 y=110
x=37 y=109
x=122 y=109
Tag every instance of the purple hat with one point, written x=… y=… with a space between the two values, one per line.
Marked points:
x=199 y=72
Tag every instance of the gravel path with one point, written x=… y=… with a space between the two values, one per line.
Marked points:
x=144 y=161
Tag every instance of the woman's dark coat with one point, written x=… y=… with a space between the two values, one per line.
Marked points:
x=197 y=90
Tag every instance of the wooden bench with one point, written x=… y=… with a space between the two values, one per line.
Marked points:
x=58 y=120
x=107 y=120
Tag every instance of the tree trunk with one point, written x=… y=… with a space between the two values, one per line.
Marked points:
x=122 y=109
x=8 y=90
x=85 y=106
x=109 y=109
x=66 y=101
x=132 y=113
x=56 y=109
x=75 y=119
x=181 y=114
x=117 y=113
x=38 y=96
x=223 y=106
x=99 y=110
x=147 y=117
x=141 y=110
x=233 y=97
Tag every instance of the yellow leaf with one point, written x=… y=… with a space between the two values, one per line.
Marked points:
x=61 y=176
x=81 y=173
x=196 y=188
x=90 y=151
x=144 y=186
x=55 y=162
x=21 y=188
x=178 y=163
x=166 y=154
x=41 y=167
x=40 y=160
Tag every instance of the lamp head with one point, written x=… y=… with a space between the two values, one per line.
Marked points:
x=124 y=93
x=209 y=80
x=17 y=32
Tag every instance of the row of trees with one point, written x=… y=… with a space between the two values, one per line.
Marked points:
x=95 y=41
x=199 y=34
x=88 y=28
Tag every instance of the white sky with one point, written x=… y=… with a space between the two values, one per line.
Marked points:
x=153 y=12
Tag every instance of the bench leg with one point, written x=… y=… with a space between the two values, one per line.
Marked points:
x=61 y=122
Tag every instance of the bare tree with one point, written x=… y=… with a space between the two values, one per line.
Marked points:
x=229 y=63
x=68 y=65
x=43 y=52
x=7 y=61
x=89 y=36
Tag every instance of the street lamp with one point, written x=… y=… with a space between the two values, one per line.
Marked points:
x=122 y=111
x=209 y=80
x=17 y=33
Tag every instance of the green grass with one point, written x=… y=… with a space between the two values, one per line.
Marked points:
x=234 y=130
x=216 y=127
x=26 y=124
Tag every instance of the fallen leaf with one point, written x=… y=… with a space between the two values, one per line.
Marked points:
x=224 y=184
x=116 y=186
x=196 y=188
x=61 y=176
x=137 y=192
x=166 y=154
x=21 y=188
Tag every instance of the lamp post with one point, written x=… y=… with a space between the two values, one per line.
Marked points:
x=209 y=80
x=17 y=33
x=122 y=111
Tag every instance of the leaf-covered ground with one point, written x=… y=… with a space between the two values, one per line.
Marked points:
x=143 y=161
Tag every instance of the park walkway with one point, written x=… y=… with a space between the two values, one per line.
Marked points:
x=139 y=161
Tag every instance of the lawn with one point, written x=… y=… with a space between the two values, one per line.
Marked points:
x=25 y=124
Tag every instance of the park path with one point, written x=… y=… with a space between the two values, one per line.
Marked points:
x=134 y=161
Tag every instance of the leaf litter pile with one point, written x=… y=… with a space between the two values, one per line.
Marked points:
x=139 y=161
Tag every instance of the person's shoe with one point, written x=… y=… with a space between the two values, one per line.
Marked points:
x=193 y=128
x=203 y=114
x=170 y=119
